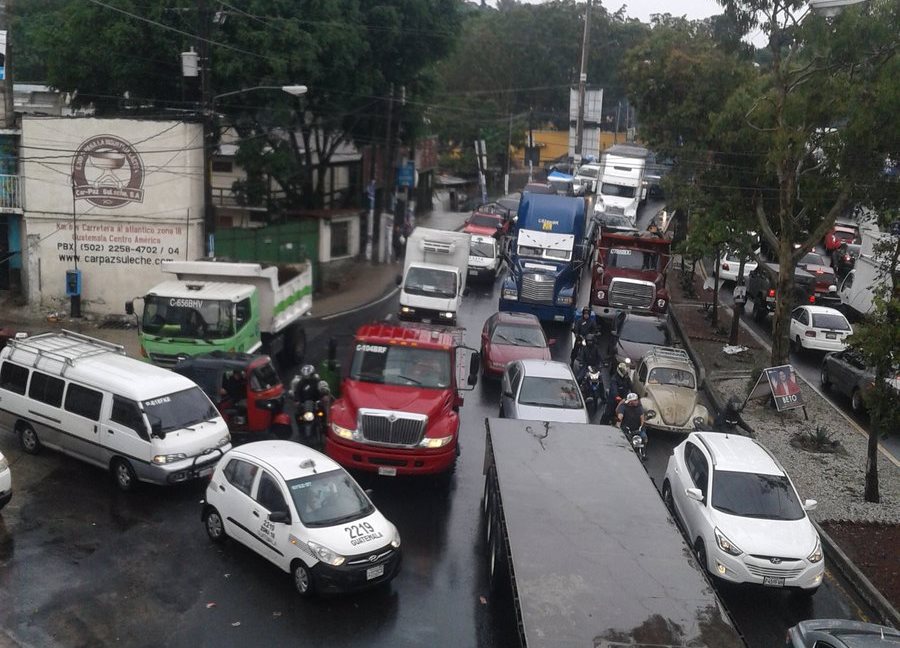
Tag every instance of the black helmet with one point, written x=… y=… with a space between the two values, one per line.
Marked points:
x=585 y=311
x=307 y=371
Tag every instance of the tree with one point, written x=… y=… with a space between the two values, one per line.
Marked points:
x=348 y=52
x=798 y=141
x=877 y=339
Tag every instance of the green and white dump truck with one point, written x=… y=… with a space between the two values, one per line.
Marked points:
x=225 y=306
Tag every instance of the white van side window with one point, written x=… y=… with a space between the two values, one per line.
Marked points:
x=46 y=389
x=83 y=401
x=13 y=378
x=126 y=412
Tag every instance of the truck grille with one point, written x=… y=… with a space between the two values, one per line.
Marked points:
x=627 y=293
x=165 y=359
x=538 y=288
x=392 y=428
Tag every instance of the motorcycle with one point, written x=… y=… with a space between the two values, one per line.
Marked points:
x=637 y=442
x=313 y=402
x=592 y=389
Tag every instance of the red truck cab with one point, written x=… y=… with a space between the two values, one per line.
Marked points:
x=629 y=272
x=399 y=408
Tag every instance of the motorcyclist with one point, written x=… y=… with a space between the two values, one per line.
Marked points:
x=589 y=355
x=583 y=326
x=305 y=386
x=619 y=388
x=630 y=416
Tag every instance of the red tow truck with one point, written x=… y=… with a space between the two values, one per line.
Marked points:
x=399 y=408
x=629 y=272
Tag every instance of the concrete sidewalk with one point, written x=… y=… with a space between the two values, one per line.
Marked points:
x=370 y=282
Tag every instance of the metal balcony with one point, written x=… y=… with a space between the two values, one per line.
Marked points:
x=10 y=193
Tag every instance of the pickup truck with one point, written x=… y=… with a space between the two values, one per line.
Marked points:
x=761 y=289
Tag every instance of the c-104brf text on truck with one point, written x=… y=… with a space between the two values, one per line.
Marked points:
x=399 y=408
x=226 y=306
x=435 y=269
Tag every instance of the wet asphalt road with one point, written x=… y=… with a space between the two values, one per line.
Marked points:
x=84 y=565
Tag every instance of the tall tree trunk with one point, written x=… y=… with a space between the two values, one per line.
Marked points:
x=715 y=304
x=738 y=310
x=871 y=493
x=784 y=303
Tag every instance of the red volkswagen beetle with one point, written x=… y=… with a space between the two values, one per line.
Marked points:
x=511 y=336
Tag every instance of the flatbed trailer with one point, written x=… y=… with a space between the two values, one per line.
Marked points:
x=581 y=549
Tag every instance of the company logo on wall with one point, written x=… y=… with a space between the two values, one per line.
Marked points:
x=107 y=172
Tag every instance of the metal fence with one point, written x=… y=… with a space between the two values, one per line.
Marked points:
x=10 y=192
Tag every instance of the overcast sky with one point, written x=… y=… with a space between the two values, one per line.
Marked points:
x=642 y=9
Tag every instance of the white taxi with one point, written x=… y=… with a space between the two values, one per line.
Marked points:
x=5 y=482
x=302 y=511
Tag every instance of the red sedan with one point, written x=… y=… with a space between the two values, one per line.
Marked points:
x=486 y=223
x=841 y=234
x=511 y=336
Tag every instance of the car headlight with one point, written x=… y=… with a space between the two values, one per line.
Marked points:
x=726 y=545
x=395 y=541
x=344 y=433
x=510 y=293
x=406 y=309
x=169 y=458
x=435 y=442
x=564 y=300
x=448 y=315
x=4 y=463
x=660 y=303
x=650 y=415
x=816 y=554
x=224 y=441
x=699 y=422
x=601 y=294
x=308 y=416
x=325 y=554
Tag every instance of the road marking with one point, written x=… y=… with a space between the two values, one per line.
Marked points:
x=853 y=424
x=360 y=307
x=851 y=599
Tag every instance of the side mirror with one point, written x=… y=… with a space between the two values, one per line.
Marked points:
x=694 y=493
x=129 y=307
x=474 y=363
x=399 y=279
x=370 y=492
x=472 y=380
x=810 y=505
x=280 y=517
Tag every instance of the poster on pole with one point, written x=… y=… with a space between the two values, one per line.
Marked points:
x=784 y=386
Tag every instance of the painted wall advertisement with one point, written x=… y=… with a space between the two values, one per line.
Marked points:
x=126 y=196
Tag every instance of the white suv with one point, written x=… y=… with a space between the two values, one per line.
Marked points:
x=5 y=482
x=742 y=514
x=302 y=511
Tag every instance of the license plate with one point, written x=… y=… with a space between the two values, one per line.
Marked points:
x=771 y=581
x=472 y=271
x=387 y=471
x=378 y=571
x=831 y=336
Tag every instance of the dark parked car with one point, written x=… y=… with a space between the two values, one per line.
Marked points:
x=841 y=633
x=511 y=336
x=637 y=334
x=843 y=260
x=846 y=373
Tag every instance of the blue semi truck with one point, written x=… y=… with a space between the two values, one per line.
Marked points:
x=545 y=257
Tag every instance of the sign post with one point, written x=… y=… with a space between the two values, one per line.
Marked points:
x=781 y=383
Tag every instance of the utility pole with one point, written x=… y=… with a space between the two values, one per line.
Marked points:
x=582 y=81
x=8 y=119
x=508 y=161
x=530 y=152
x=388 y=155
x=209 y=141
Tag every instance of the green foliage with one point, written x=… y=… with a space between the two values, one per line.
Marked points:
x=347 y=52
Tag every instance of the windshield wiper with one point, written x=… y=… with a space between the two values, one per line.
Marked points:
x=347 y=518
x=525 y=341
x=412 y=380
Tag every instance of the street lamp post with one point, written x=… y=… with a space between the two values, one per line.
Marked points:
x=209 y=213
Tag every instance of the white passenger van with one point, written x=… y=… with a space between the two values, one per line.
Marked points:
x=85 y=398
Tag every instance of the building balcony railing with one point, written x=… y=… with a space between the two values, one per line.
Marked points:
x=10 y=192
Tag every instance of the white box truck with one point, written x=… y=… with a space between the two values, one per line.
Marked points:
x=858 y=287
x=621 y=189
x=229 y=306
x=434 y=275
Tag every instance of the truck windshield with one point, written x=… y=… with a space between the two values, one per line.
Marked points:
x=180 y=410
x=544 y=253
x=482 y=249
x=587 y=172
x=631 y=259
x=609 y=189
x=430 y=282
x=550 y=392
x=329 y=498
x=485 y=220
x=674 y=377
x=401 y=365
x=769 y=497
x=188 y=318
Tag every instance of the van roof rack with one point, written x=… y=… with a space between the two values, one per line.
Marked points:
x=64 y=346
x=668 y=353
